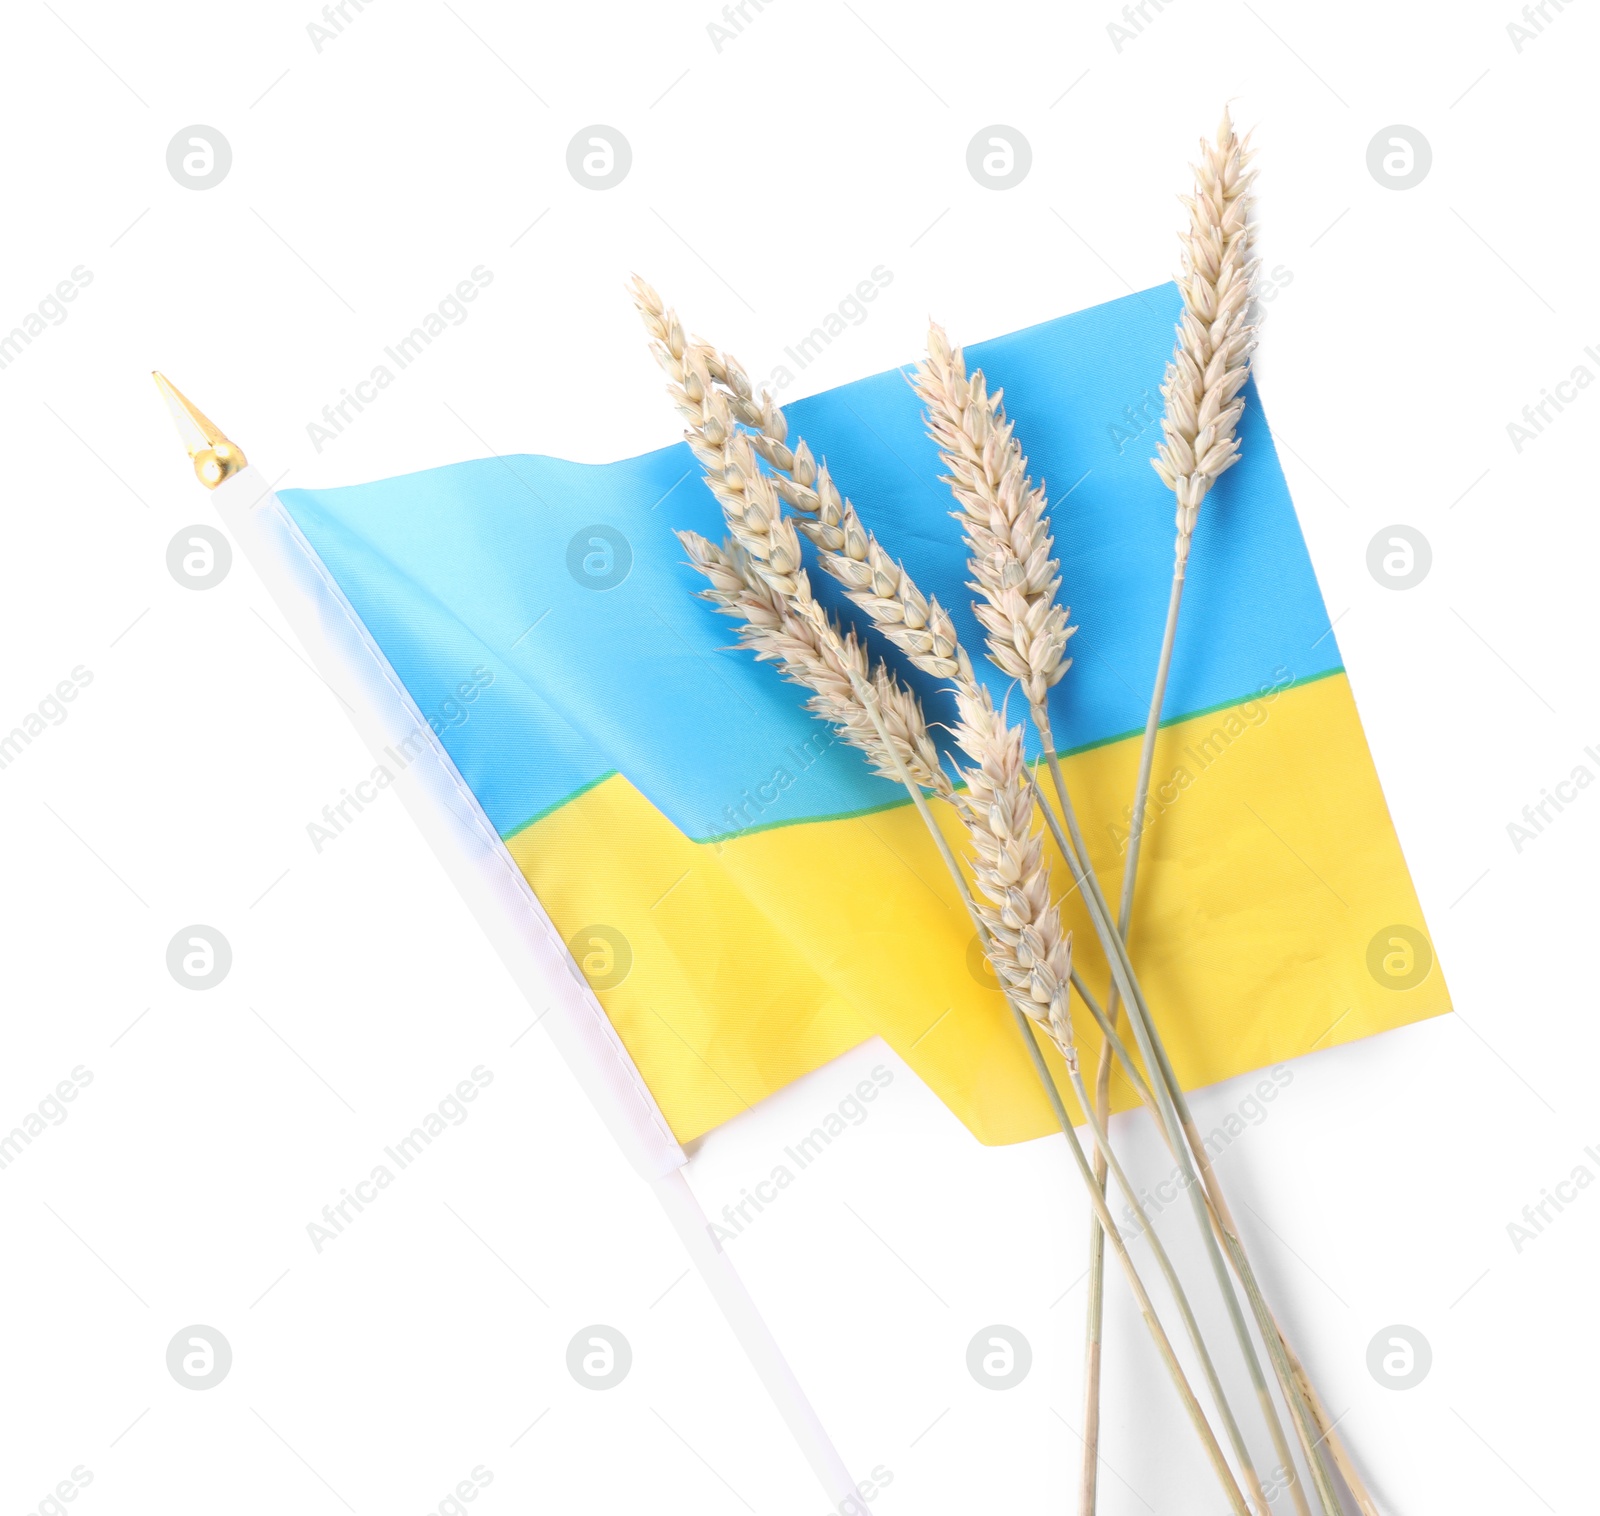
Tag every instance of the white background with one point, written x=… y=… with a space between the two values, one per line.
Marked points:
x=767 y=179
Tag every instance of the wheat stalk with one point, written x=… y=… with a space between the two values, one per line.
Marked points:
x=829 y=663
x=1215 y=336
x=1222 y=1222
x=874 y=581
x=1010 y=543
x=881 y=587
x=1203 y=392
x=1184 y=1141
x=1202 y=389
x=1021 y=594
x=757 y=577
x=1032 y=949
x=1031 y=954
x=1008 y=536
x=1199 y=428
x=1199 y=441
x=1032 y=958
x=1003 y=518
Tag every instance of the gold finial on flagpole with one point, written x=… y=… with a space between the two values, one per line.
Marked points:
x=214 y=457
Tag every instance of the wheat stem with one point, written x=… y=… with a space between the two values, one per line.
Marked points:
x=1266 y=1323
x=1004 y=522
x=1109 y=1159
x=916 y=624
x=1113 y=1048
x=1096 y=1196
x=1204 y=401
x=1095 y=1328
x=1336 y=1449
x=1137 y=826
x=1033 y=956
x=1340 y=1455
x=1183 y=1139
x=1096 y=1305
x=1114 y=1041
x=1077 y=856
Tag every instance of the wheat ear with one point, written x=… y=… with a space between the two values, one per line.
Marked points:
x=1209 y=369
x=1211 y=361
x=829 y=663
x=1216 y=339
x=1008 y=536
x=757 y=578
x=1031 y=954
x=874 y=581
x=749 y=505
x=1199 y=441
x=1203 y=385
x=1010 y=544
x=1003 y=519
x=1032 y=957
x=920 y=626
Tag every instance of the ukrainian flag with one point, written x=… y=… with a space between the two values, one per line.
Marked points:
x=746 y=899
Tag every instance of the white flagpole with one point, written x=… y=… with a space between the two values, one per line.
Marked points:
x=505 y=906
